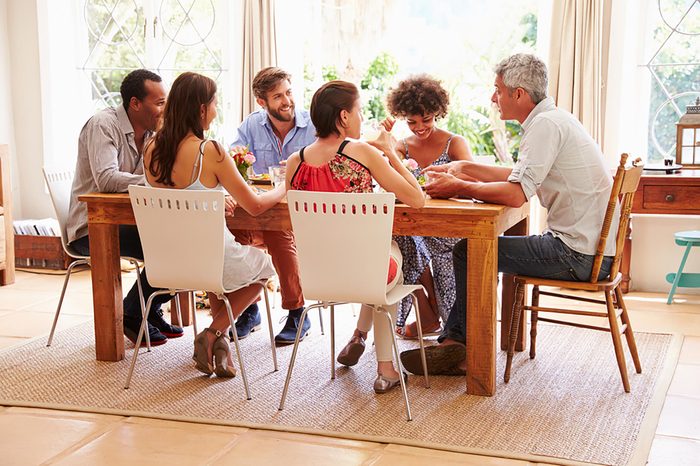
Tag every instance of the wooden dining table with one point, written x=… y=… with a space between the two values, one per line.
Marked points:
x=480 y=223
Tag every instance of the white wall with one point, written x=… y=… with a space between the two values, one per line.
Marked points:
x=655 y=253
x=32 y=201
x=7 y=132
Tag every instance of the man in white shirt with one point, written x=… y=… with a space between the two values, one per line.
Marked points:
x=561 y=164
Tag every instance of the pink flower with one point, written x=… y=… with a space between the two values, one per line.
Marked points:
x=249 y=158
x=411 y=164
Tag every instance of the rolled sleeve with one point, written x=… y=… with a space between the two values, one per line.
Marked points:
x=538 y=151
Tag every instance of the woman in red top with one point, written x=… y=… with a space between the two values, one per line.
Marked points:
x=337 y=162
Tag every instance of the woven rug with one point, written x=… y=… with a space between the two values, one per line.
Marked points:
x=565 y=406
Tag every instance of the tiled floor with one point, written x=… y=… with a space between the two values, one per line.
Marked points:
x=37 y=436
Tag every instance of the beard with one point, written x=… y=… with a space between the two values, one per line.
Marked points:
x=282 y=116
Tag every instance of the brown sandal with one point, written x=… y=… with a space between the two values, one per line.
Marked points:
x=410 y=331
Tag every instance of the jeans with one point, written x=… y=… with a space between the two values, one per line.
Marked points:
x=281 y=246
x=541 y=256
x=129 y=245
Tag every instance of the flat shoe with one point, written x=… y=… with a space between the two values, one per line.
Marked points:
x=350 y=355
x=441 y=360
x=384 y=384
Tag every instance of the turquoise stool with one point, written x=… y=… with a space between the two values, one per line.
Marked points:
x=685 y=280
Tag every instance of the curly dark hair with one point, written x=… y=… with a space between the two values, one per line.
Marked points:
x=418 y=95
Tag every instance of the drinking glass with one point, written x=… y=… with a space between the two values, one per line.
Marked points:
x=278 y=174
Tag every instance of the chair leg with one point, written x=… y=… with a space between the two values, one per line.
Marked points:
x=63 y=293
x=629 y=334
x=193 y=307
x=617 y=341
x=677 y=279
x=142 y=330
x=424 y=362
x=178 y=309
x=193 y=310
x=232 y=321
x=269 y=327
x=144 y=313
x=332 y=341
x=294 y=357
x=514 y=326
x=320 y=319
x=398 y=360
x=533 y=320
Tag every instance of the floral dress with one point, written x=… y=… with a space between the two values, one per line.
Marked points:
x=342 y=174
x=420 y=252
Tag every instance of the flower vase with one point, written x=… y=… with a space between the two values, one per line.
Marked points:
x=243 y=170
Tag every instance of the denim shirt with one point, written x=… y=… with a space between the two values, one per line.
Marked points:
x=256 y=133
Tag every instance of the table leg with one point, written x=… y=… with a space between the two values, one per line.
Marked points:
x=107 y=291
x=184 y=310
x=508 y=297
x=482 y=274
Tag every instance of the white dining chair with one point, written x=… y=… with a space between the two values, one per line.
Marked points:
x=59 y=182
x=343 y=244
x=191 y=255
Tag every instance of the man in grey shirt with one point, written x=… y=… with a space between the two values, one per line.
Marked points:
x=558 y=162
x=110 y=158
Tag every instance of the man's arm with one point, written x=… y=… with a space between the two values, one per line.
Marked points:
x=104 y=163
x=470 y=170
x=446 y=185
x=243 y=137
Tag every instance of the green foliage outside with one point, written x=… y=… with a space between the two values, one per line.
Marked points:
x=375 y=85
x=682 y=77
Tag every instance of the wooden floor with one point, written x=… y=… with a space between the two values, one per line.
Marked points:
x=35 y=436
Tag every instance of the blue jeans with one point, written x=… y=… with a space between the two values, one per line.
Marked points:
x=129 y=245
x=541 y=256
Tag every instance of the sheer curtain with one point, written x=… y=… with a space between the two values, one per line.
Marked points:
x=259 y=45
x=578 y=58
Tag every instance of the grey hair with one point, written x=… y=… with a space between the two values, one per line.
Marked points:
x=525 y=71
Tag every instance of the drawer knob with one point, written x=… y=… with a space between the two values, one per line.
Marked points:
x=669 y=198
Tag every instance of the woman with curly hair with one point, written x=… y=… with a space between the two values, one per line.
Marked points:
x=420 y=100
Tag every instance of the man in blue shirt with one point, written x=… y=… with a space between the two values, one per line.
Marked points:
x=272 y=134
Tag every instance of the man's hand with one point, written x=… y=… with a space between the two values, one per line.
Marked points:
x=444 y=185
x=230 y=205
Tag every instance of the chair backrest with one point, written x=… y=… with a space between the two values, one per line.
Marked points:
x=60 y=183
x=343 y=243
x=624 y=186
x=182 y=235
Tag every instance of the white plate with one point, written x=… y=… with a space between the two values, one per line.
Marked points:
x=657 y=167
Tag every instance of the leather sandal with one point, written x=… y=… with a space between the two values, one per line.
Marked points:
x=410 y=331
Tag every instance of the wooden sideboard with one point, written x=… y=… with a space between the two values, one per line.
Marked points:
x=667 y=194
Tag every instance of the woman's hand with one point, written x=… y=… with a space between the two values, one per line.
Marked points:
x=385 y=142
x=388 y=124
x=230 y=205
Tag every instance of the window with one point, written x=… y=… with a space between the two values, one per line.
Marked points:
x=674 y=67
x=166 y=36
x=375 y=44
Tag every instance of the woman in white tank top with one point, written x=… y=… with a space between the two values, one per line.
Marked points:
x=179 y=157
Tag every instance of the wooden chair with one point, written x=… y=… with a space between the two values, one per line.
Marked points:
x=624 y=186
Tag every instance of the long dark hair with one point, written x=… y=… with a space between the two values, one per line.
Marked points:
x=181 y=115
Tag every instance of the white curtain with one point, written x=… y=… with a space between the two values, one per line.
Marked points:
x=578 y=58
x=259 y=47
